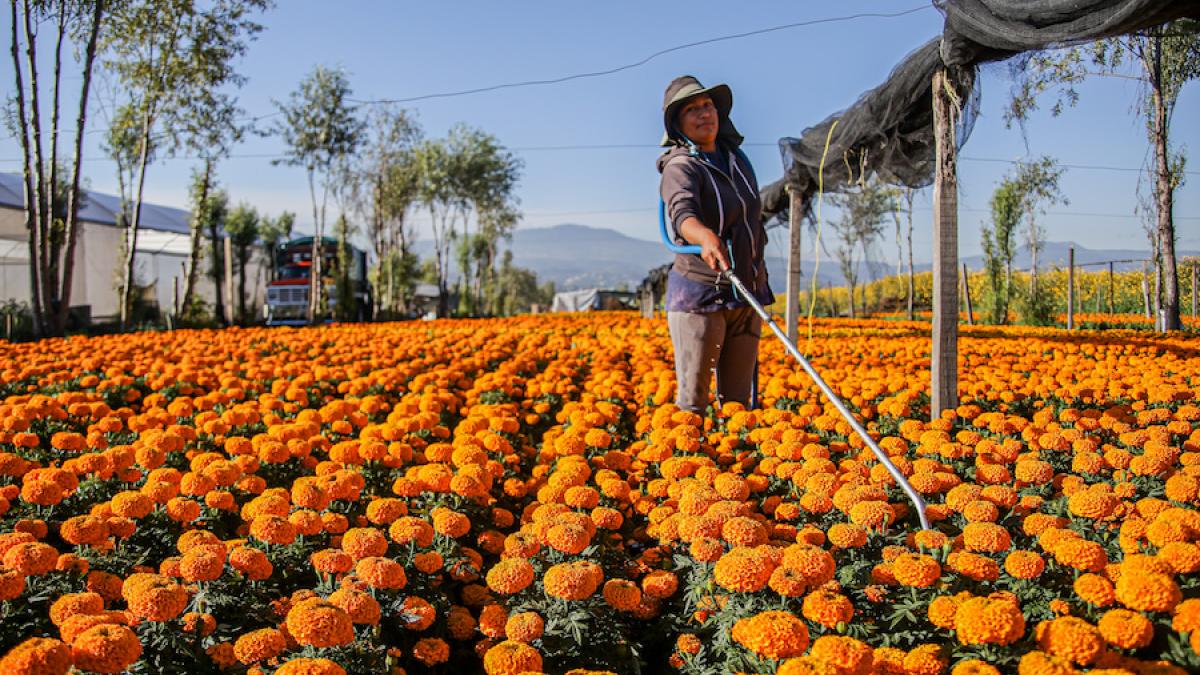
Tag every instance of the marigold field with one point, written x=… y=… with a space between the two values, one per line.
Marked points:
x=521 y=496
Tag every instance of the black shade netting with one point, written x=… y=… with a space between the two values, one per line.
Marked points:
x=888 y=132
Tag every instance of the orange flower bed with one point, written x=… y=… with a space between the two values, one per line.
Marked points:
x=522 y=496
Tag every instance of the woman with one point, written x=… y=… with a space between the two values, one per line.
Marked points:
x=711 y=198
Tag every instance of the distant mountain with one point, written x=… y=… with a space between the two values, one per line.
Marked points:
x=1056 y=254
x=578 y=257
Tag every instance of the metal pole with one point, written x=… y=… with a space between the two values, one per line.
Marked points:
x=1071 y=288
x=1112 y=307
x=913 y=495
x=1145 y=290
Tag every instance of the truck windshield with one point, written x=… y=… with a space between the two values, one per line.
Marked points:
x=293 y=272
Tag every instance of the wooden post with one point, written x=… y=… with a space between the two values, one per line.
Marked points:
x=1071 y=288
x=966 y=284
x=1112 y=290
x=175 y=296
x=944 y=365
x=793 y=274
x=1145 y=290
x=229 y=304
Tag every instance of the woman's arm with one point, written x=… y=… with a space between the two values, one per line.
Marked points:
x=712 y=251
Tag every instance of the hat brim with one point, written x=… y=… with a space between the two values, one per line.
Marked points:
x=722 y=98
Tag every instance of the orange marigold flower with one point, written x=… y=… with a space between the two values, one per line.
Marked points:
x=815 y=563
x=622 y=594
x=1186 y=617
x=919 y=571
x=923 y=660
x=974 y=566
x=573 y=580
x=273 y=529
x=31 y=559
x=872 y=514
x=259 y=645
x=1126 y=629
x=524 y=626
x=509 y=576
x=988 y=621
x=360 y=606
x=37 y=656
x=1024 y=564
x=568 y=538
x=318 y=622
x=364 y=542
x=848 y=655
x=942 y=610
x=1095 y=590
x=986 y=537
x=788 y=582
x=450 y=523
x=332 y=561
x=70 y=604
x=847 y=535
x=411 y=530
x=84 y=530
x=772 y=634
x=309 y=666
x=827 y=608
x=512 y=658
x=1148 y=592
x=1071 y=638
x=974 y=667
x=431 y=651
x=660 y=584
x=108 y=648
x=379 y=572
x=154 y=597
x=743 y=569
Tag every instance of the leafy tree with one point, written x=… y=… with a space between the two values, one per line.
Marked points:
x=243 y=228
x=346 y=306
x=466 y=174
x=1167 y=57
x=273 y=232
x=219 y=212
x=385 y=185
x=1036 y=183
x=51 y=192
x=517 y=289
x=173 y=58
x=999 y=249
x=321 y=130
x=859 y=225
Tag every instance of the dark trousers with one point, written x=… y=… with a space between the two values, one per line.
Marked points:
x=725 y=341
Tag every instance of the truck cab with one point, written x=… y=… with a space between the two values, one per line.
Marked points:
x=287 y=293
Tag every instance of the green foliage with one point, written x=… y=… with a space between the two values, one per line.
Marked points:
x=243 y=229
x=860 y=225
x=320 y=129
x=346 y=307
x=998 y=250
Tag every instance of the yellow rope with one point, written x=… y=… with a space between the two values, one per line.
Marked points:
x=812 y=304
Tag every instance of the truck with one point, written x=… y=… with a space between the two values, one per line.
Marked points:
x=287 y=294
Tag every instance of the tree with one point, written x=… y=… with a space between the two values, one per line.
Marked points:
x=272 y=233
x=1036 y=183
x=346 y=305
x=219 y=205
x=1168 y=57
x=999 y=250
x=242 y=226
x=466 y=174
x=859 y=225
x=173 y=58
x=320 y=129
x=52 y=212
x=385 y=185
x=517 y=288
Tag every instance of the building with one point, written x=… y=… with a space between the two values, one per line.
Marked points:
x=160 y=258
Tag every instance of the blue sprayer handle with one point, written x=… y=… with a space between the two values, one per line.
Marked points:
x=666 y=237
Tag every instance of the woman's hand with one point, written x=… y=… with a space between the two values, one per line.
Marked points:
x=712 y=249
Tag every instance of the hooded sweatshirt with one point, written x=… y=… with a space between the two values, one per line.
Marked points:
x=727 y=203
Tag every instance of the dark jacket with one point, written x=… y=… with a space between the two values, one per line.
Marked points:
x=726 y=203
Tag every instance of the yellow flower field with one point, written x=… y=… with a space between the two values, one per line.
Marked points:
x=521 y=496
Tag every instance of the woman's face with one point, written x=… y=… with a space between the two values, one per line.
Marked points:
x=698 y=120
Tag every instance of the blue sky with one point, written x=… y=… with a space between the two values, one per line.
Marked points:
x=782 y=82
